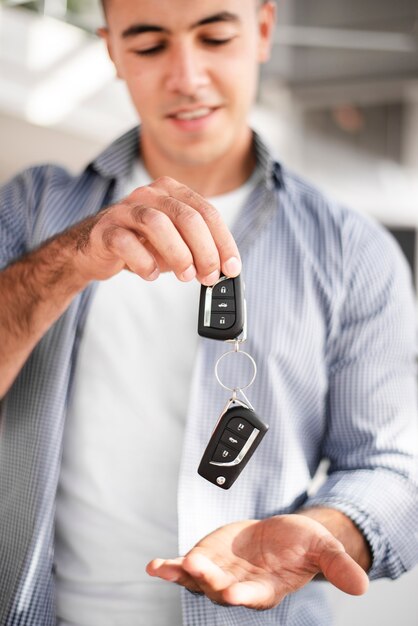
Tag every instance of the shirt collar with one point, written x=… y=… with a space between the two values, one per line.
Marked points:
x=115 y=162
x=270 y=168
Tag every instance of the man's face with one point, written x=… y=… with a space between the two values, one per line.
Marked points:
x=191 y=67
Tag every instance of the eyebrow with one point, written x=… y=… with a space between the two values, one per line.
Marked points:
x=139 y=29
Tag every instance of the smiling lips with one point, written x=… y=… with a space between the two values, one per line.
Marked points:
x=193 y=120
x=192 y=115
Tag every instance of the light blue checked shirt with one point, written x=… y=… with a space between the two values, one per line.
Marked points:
x=331 y=325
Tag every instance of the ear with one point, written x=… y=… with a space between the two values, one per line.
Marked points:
x=266 y=22
x=103 y=33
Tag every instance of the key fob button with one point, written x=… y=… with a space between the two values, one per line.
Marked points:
x=224 y=289
x=232 y=440
x=223 y=454
x=240 y=426
x=222 y=305
x=222 y=310
x=222 y=320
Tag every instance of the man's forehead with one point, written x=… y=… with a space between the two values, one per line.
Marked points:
x=173 y=13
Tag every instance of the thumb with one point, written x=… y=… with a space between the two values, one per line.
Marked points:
x=341 y=570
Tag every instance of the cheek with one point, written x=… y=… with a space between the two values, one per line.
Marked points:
x=142 y=86
x=243 y=65
x=239 y=77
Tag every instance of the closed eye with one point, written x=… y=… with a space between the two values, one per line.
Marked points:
x=150 y=51
x=217 y=42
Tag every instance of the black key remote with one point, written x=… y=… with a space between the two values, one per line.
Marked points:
x=234 y=440
x=222 y=309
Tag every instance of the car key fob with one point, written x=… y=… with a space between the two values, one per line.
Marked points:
x=237 y=435
x=222 y=309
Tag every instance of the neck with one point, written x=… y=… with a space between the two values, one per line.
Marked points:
x=221 y=175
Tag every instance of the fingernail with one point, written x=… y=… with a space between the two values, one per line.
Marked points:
x=189 y=273
x=211 y=278
x=232 y=266
x=154 y=274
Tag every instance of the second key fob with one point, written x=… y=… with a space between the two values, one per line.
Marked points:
x=222 y=309
x=233 y=442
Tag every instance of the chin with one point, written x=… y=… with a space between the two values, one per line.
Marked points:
x=195 y=155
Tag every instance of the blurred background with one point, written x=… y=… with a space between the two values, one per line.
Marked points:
x=338 y=103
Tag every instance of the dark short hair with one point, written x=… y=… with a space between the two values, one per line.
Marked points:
x=104 y=3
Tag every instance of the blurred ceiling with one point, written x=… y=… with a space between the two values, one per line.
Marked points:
x=334 y=41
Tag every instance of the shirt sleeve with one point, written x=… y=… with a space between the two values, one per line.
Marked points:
x=13 y=218
x=372 y=428
x=23 y=201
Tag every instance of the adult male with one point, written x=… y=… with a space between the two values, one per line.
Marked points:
x=330 y=325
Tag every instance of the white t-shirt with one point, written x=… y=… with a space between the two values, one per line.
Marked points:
x=117 y=497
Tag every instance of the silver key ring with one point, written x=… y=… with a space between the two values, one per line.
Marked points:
x=236 y=388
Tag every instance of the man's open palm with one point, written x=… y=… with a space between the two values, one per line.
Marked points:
x=257 y=563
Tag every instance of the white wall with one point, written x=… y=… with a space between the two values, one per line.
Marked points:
x=387 y=603
x=24 y=144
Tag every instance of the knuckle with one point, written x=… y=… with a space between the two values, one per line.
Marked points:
x=163 y=181
x=145 y=216
x=171 y=206
x=109 y=236
x=104 y=218
x=108 y=218
x=140 y=213
x=137 y=194
x=190 y=217
x=210 y=214
x=189 y=194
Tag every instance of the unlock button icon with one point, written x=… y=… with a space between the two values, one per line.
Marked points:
x=222 y=320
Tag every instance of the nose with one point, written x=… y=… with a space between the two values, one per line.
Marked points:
x=186 y=70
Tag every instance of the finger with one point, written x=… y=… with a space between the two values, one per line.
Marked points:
x=343 y=572
x=169 y=569
x=172 y=571
x=222 y=587
x=196 y=234
x=253 y=594
x=125 y=245
x=209 y=576
x=228 y=251
x=159 y=230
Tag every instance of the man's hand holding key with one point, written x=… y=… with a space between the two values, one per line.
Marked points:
x=164 y=226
